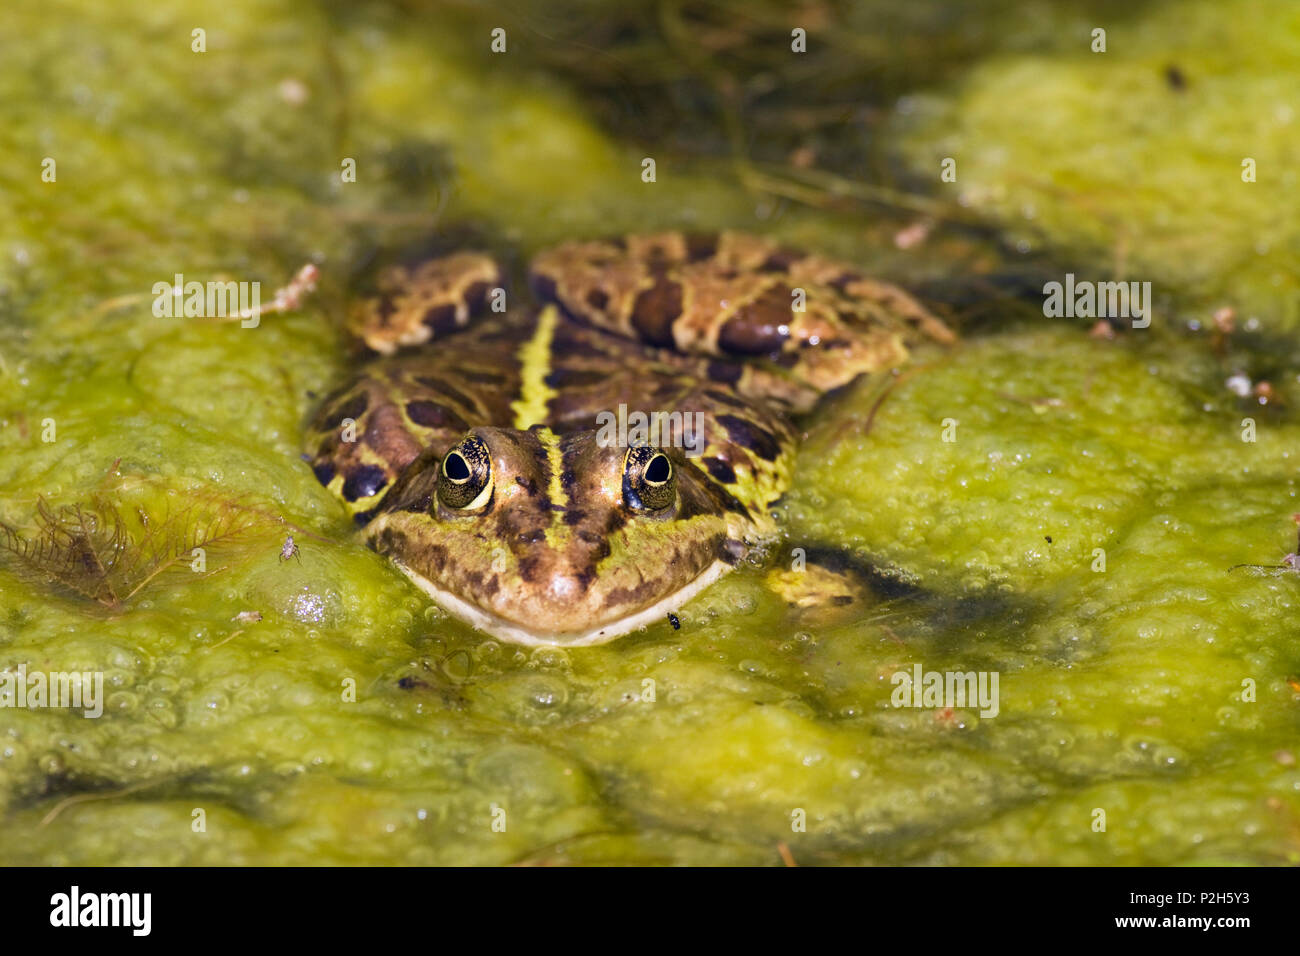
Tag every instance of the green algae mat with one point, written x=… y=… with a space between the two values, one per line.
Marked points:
x=1090 y=521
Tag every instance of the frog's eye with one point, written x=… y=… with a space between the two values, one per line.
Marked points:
x=649 y=482
x=465 y=479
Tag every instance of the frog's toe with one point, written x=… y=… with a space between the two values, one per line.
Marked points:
x=819 y=595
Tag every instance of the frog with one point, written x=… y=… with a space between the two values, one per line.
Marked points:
x=475 y=444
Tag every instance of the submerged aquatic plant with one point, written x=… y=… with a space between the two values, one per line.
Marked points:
x=107 y=548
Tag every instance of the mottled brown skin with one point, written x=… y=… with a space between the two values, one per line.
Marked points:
x=404 y=405
x=561 y=546
x=731 y=296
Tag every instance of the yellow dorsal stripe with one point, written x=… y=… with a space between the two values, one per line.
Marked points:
x=557 y=532
x=535 y=363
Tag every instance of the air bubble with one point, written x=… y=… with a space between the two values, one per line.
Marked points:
x=549 y=658
x=546 y=694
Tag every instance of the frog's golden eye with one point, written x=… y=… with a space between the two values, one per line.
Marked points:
x=465 y=479
x=649 y=481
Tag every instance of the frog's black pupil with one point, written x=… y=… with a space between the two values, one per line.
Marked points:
x=658 y=470
x=456 y=468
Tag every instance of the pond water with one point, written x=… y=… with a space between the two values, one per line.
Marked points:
x=1056 y=510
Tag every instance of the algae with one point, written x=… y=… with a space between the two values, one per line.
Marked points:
x=319 y=710
x=1136 y=157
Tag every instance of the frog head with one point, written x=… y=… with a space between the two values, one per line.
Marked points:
x=547 y=539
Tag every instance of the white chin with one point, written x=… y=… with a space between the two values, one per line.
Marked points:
x=515 y=633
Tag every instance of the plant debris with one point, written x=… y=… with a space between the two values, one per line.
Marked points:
x=109 y=546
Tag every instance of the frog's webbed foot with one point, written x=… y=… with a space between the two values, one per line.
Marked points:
x=825 y=587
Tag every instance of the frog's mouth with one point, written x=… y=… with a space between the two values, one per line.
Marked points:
x=599 y=631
